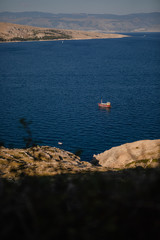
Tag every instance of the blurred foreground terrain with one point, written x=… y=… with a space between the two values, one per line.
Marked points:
x=76 y=200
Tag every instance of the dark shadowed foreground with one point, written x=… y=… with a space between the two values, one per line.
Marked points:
x=95 y=205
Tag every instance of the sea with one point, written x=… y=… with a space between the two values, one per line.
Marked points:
x=55 y=86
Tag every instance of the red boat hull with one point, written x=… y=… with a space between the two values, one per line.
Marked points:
x=104 y=105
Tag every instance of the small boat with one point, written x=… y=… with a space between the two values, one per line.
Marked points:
x=104 y=105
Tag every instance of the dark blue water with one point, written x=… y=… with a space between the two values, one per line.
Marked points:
x=57 y=87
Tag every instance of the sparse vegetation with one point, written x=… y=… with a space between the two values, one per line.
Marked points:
x=2 y=39
x=136 y=163
x=29 y=142
x=146 y=163
x=156 y=160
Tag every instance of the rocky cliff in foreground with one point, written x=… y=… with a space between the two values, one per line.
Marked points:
x=40 y=161
x=50 y=161
x=145 y=153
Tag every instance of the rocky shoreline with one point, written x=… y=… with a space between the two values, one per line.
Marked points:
x=41 y=161
x=144 y=153
x=50 y=161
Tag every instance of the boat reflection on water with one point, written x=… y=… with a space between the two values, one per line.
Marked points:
x=104 y=109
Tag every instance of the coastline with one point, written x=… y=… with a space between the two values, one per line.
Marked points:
x=20 y=33
x=50 y=161
x=72 y=39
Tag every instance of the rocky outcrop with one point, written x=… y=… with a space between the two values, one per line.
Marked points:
x=144 y=153
x=40 y=161
x=50 y=161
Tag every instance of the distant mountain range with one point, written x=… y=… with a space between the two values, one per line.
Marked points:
x=141 y=22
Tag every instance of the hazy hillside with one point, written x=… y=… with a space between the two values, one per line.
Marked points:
x=88 y=22
x=16 y=32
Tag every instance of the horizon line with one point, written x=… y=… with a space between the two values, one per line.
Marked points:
x=80 y=13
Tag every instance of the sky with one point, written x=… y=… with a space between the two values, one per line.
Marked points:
x=82 y=6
